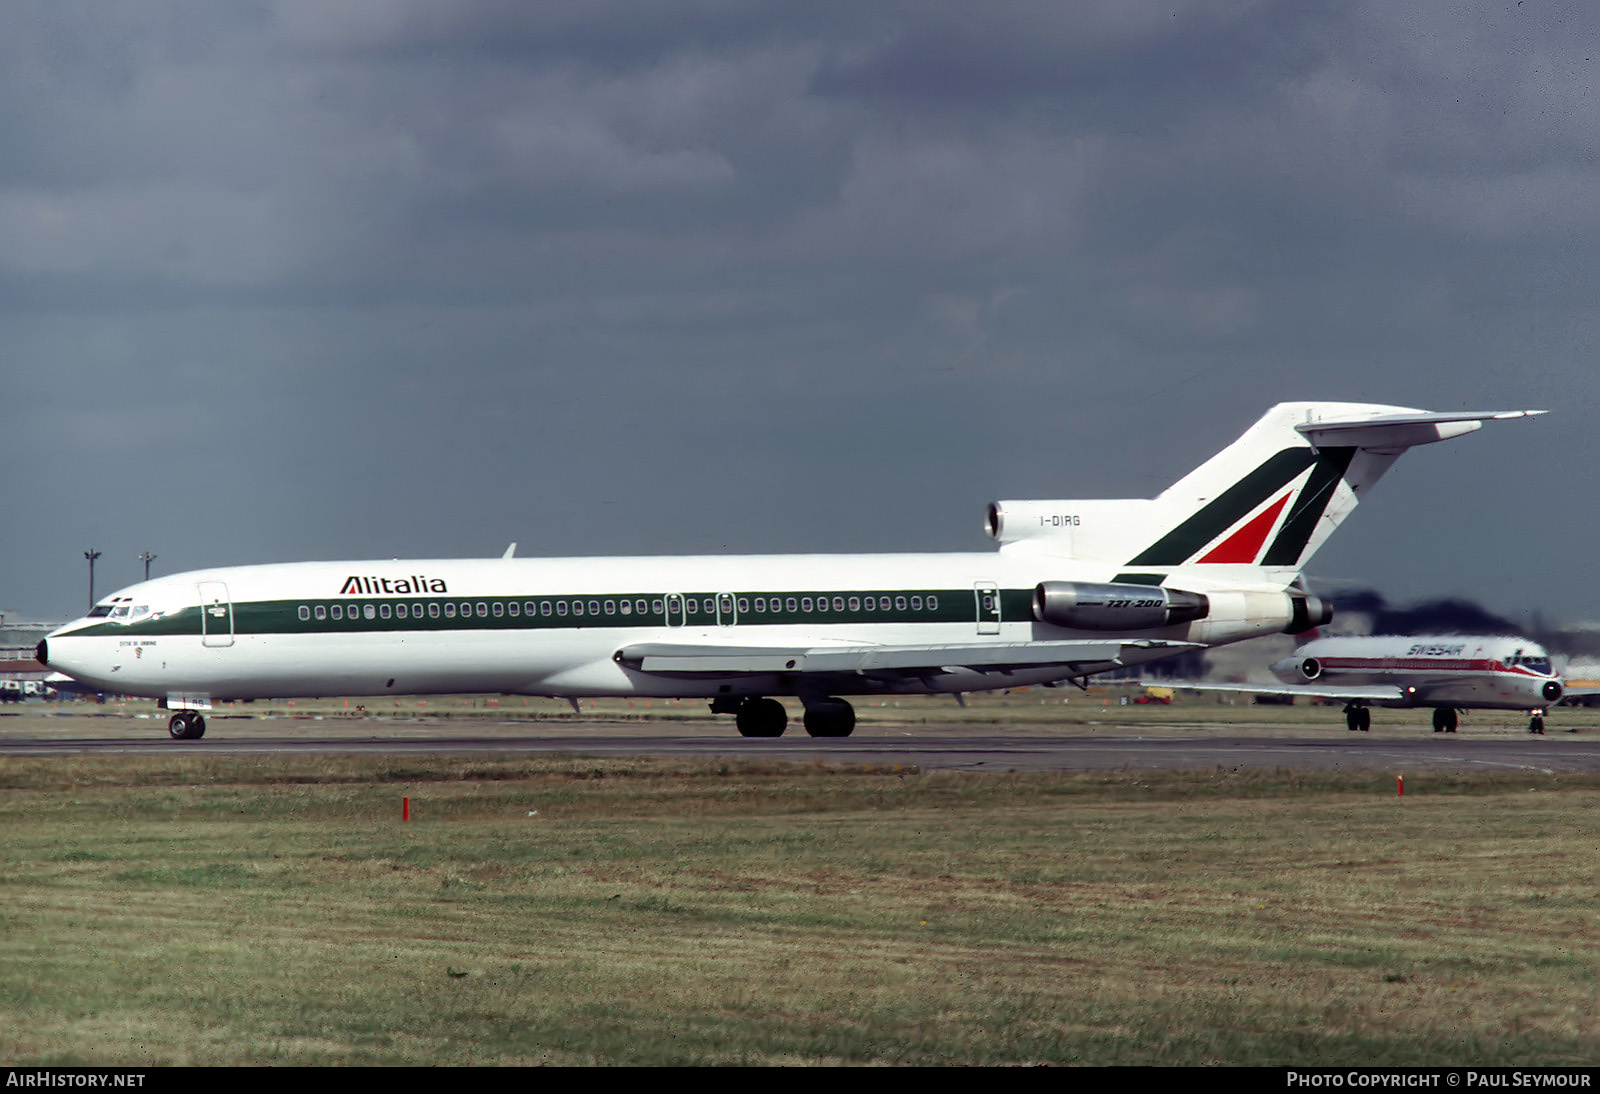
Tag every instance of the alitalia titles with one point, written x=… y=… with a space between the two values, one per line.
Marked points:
x=355 y=585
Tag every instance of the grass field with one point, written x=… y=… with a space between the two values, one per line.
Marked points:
x=176 y=909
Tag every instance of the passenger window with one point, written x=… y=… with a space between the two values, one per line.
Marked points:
x=433 y=610
x=305 y=613
x=544 y=607
x=577 y=607
x=933 y=603
x=626 y=607
x=383 y=610
x=883 y=603
x=483 y=610
x=838 y=603
x=899 y=603
x=594 y=607
x=449 y=611
x=916 y=603
x=338 y=611
x=805 y=603
x=641 y=607
x=499 y=609
x=744 y=605
x=369 y=611
x=789 y=604
x=659 y=607
x=322 y=612
x=561 y=607
x=513 y=608
x=855 y=603
x=611 y=607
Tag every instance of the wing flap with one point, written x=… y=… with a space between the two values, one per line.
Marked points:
x=660 y=657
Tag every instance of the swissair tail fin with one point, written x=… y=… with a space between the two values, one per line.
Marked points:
x=1267 y=501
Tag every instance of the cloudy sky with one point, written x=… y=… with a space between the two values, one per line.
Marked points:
x=417 y=278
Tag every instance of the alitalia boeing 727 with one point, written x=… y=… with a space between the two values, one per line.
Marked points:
x=1075 y=588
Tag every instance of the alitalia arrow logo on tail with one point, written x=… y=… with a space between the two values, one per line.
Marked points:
x=1189 y=538
x=375 y=586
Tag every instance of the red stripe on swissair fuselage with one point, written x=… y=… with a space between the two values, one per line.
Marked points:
x=1245 y=544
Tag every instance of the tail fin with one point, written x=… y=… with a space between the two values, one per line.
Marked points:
x=1267 y=501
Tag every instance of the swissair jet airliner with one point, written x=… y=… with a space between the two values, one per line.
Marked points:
x=1075 y=588
x=1449 y=673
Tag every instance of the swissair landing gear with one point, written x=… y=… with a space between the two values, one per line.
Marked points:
x=1444 y=720
x=1357 y=719
x=830 y=717
x=187 y=725
x=761 y=718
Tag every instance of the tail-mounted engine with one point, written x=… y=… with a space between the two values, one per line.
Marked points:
x=1092 y=607
x=1306 y=612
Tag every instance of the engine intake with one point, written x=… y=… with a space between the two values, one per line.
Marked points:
x=1310 y=668
x=1092 y=607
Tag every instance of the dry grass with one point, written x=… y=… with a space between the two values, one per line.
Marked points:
x=173 y=909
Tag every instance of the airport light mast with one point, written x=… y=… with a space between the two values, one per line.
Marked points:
x=91 y=554
x=147 y=558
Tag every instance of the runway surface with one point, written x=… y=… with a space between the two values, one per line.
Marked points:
x=1162 y=747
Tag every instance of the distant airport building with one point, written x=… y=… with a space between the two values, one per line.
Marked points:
x=21 y=675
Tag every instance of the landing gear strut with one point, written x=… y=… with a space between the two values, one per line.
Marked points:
x=761 y=718
x=187 y=725
x=1357 y=719
x=1536 y=723
x=1444 y=719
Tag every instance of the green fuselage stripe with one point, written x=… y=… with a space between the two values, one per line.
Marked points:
x=459 y=613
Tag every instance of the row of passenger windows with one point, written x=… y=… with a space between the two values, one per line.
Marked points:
x=675 y=606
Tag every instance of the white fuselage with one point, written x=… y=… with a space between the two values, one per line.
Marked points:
x=555 y=626
x=1460 y=671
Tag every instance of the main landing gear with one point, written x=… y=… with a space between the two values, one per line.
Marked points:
x=187 y=725
x=1358 y=719
x=1444 y=719
x=761 y=717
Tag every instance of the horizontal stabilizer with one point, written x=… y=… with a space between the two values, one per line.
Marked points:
x=1395 y=432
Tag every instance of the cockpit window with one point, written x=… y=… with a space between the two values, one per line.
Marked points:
x=1538 y=664
x=99 y=611
x=120 y=612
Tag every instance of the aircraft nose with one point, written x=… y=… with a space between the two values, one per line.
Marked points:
x=41 y=652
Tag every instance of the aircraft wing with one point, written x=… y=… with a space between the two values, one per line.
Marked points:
x=1373 y=692
x=667 y=657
